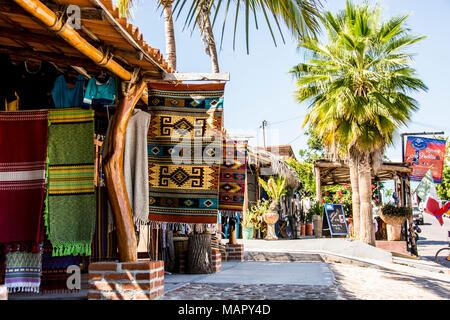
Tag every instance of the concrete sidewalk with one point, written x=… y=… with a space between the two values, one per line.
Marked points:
x=344 y=250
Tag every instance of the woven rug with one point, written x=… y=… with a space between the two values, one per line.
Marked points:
x=184 y=142
x=233 y=171
x=23 y=271
x=54 y=270
x=104 y=244
x=23 y=143
x=70 y=218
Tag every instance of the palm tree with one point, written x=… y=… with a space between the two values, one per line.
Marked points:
x=357 y=83
x=300 y=16
x=171 y=52
x=275 y=188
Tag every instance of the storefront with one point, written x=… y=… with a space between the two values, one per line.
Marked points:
x=75 y=126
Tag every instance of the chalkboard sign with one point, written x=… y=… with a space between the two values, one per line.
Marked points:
x=334 y=222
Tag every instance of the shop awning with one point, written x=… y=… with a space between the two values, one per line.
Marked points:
x=23 y=35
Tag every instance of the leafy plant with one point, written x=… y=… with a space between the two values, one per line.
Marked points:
x=254 y=216
x=392 y=210
x=316 y=209
x=275 y=188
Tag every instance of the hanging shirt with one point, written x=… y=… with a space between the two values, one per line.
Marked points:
x=65 y=97
x=98 y=93
x=34 y=86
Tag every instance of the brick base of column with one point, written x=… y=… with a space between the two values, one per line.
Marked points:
x=393 y=246
x=216 y=257
x=141 y=280
x=235 y=252
x=3 y=292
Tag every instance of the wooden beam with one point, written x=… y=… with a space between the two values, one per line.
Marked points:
x=224 y=76
x=108 y=16
x=115 y=181
x=65 y=31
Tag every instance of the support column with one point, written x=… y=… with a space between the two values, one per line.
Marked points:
x=318 y=184
x=115 y=181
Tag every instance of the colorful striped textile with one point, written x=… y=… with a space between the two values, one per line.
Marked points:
x=184 y=142
x=104 y=244
x=23 y=144
x=70 y=219
x=233 y=171
x=54 y=270
x=23 y=271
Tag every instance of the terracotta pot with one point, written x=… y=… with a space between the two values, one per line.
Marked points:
x=303 y=230
x=271 y=217
x=309 y=229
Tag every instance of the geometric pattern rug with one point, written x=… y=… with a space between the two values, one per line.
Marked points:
x=233 y=171
x=184 y=151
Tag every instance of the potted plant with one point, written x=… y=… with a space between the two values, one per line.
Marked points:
x=394 y=217
x=254 y=218
x=275 y=188
x=314 y=214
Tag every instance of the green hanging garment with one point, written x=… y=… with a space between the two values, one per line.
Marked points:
x=70 y=210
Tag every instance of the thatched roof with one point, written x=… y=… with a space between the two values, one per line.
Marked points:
x=272 y=165
x=332 y=173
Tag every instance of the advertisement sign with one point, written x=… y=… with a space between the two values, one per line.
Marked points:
x=334 y=222
x=425 y=153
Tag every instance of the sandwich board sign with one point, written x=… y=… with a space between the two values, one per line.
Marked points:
x=334 y=222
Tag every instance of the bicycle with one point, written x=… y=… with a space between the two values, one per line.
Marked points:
x=443 y=255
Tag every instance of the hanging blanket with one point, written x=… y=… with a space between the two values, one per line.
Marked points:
x=23 y=144
x=23 y=271
x=70 y=219
x=233 y=171
x=104 y=244
x=184 y=142
x=54 y=270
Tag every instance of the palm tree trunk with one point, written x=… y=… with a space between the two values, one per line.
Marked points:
x=171 y=52
x=207 y=35
x=354 y=181
x=366 y=229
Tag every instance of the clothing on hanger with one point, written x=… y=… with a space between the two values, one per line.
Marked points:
x=65 y=97
x=8 y=84
x=34 y=85
x=98 y=93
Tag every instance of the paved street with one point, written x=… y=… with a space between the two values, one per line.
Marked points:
x=305 y=281
x=433 y=237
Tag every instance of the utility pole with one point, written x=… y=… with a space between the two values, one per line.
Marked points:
x=264 y=124
x=409 y=238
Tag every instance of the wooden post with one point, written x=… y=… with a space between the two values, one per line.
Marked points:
x=318 y=184
x=115 y=181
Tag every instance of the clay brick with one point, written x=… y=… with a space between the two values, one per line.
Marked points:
x=142 y=296
x=95 y=276
x=143 y=265
x=136 y=286
x=101 y=286
x=145 y=275
x=94 y=296
x=118 y=276
x=160 y=273
x=160 y=292
x=103 y=266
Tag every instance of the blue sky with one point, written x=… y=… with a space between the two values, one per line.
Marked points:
x=261 y=88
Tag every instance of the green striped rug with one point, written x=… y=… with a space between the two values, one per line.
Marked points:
x=70 y=209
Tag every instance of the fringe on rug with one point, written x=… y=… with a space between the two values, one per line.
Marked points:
x=21 y=287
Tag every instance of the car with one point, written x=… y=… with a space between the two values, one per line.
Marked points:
x=417 y=216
